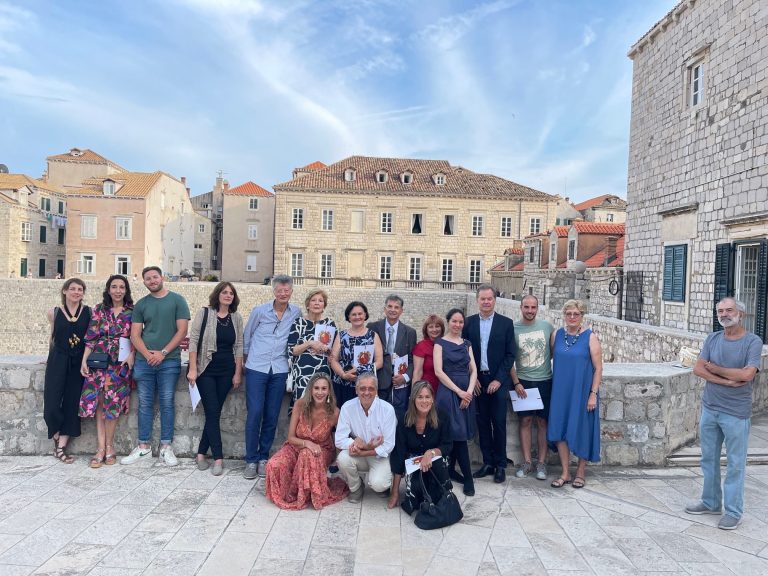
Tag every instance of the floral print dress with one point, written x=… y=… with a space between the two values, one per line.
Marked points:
x=113 y=383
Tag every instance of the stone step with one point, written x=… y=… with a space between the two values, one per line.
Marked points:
x=692 y=457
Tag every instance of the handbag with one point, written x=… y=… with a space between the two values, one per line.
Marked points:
x=98 y=361
x=444 y=512
x=289 y=379
x=202 y=334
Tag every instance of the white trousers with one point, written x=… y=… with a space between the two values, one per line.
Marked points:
x=379 y=473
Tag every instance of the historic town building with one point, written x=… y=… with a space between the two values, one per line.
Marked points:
x=389 y=222
x=697 y=214
x=605 y=208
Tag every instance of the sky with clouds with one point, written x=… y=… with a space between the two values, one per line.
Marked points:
x=536 y=91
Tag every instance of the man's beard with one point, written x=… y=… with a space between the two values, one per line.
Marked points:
x=157 y=289
x=727 y=322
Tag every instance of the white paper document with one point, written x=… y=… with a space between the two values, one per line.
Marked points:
x=125 y=349
x=194 y=396
x=324 y=333
x=413 y=464
x=532 y=401
x=362 y=355
x=399 y=364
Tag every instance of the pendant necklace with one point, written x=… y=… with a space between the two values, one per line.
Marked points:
x=224 y=321
x=73 y=317
x=573 y=339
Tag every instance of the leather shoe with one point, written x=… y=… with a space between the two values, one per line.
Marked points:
x=456 y=476
x=485 y=470
x=500 y=475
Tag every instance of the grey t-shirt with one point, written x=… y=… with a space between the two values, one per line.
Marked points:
x=533 y=361
x=731 y=354
x=159 y=317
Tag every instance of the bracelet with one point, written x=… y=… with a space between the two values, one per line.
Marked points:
x=518 y=384
x=593 y=392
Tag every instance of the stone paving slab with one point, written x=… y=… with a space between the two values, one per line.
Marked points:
x=152 y=520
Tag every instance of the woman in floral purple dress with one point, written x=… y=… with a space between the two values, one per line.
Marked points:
x=106 y=392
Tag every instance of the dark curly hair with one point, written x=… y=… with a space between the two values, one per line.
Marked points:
x=106 y=299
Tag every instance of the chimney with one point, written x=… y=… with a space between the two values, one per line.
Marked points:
x=184 y=180
x=610 y=249
x=188 y=192
x=226 y=185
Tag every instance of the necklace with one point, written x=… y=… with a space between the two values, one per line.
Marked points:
x=572 y=342
x=73 y=317
x=224 y=321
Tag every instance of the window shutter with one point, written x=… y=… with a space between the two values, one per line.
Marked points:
x=761 y=307
x=668 y=272
x=723 y=278
x=678 y=272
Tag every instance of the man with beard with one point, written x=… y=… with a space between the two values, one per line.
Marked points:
x=159 y=324
x=729 y=361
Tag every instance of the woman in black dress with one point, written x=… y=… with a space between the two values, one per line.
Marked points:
x=63 y=381
x=423 y=432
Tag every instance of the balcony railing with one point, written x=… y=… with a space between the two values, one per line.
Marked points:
x=394 y=284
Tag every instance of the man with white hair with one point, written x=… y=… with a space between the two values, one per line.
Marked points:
x=729 y=361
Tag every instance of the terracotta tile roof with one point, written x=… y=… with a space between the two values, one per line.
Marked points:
x=606 y=228
x=592 y=202
x=129 y=184
x=316 y=165
x=16 y=181
x=509 y=251
x=84 y=156
x=561 y=231
x=597 y=260
x=499 y=267
x=249 y=189
x=459 y=182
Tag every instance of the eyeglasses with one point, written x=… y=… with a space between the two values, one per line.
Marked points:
x=573 y=314
x=277 y=324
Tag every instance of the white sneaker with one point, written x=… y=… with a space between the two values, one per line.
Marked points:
x=137 y=454
x=167 y=456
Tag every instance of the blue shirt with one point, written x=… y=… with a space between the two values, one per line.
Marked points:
x=485 y=336
x=266 y=338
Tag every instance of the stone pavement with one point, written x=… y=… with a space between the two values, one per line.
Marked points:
x=153 y=520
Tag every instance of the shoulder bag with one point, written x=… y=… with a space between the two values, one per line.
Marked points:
x=444 y=512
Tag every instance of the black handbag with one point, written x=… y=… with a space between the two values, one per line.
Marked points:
x=97 y=361
x=444 y=512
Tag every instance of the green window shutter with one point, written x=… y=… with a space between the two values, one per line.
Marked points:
x=43 y=234
x=723 y=278
x=678 y=272
x=668 y=267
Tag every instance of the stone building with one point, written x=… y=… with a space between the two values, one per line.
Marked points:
x=697 y=214
x=605 y=208
x=248 y=245
x=33 y=222
x=203 y=256
x=388 y=222
x=211 y=205
x=128 y=220
x=68 y=170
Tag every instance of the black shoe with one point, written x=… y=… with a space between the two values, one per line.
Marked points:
x=485 y=470
x=500 y=476
x=469 y=489
x=455 y=476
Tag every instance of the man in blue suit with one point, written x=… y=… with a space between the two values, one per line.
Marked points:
x=493 y=344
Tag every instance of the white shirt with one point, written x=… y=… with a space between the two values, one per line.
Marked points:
x=354 y=423
x=485 y=336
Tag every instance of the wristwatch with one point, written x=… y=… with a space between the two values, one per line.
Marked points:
x=164 y=352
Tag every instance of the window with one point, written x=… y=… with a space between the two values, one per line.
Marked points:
x=446 y=274
x=60 y=241
x=26 y=231
x=439 y=179
x=741 y=271
x=385 y=267
x=124 y=228
x=198 y=246
x=297 y=220
x=448 y=225
x=86 y=264
x=475 y=271
x=41 y=268
x=571 y=249
x=250 y=262
x=45 y=204
x=531 y=254
x=109 y=188
x=327 y=219
x=23 y=268
x=381 y=176
x=253 y=203
x=696 y=84
x=123 y=265
x=414 y=268
x=386 y=222
x=349 y=175
x=357 y=221
x=43 y=234
x=201 y=228
x=477 y=225
x=406 y=177
x=416 y=223
x=506 y=227
x=61 y=207
x=535 y=226
x=88 y=225
x=326 y=265
x=297 y=265
x=60 y=266
x=609 y=217
x=674 y=272
x=552 y=252
x=253 y=232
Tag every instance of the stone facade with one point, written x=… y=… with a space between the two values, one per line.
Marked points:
x=605 y=208
x=398 y=223
x=698 y=177
x=68 y=170
x=203 y=247
x=211 y=205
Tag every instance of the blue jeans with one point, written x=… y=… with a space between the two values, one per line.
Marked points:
x=716 y=427
x=263 y=397
x=162 y=379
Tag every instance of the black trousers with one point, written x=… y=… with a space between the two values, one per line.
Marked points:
x=492 y=423
x=213 y=384
x=61 y=395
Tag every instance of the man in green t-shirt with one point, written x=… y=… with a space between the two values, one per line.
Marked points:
x=159 y=324
x=533 y=369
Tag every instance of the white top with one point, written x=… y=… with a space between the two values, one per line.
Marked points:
x=353 y=423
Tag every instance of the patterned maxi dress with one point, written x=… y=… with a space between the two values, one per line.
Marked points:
x=296 y=477
x=103 y=335
x=344 y=389
x=306 y=365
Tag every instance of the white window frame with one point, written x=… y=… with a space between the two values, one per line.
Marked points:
x=420 y=216
x=86 y=264
x=123 y=259
x=385 y=267
x=475 y=270
x=382 y=176
x=355 y=217
x=201 y=228
x=440 y=179
x=88 y=222
x=250 y=262
x=478 y=225
x=297 y=219
x=26 y=231
x=123 y=228
x=453 y=224
x=696 y=83
x=326 y=220
x=326 y=266
x=505 y=227
x=552 y=252
x=253 y=232
x=350 y=174
x=406 y=177
x=447 y=269
x=253 y=203
x=385 y=222
x=534 y=224
x=609 y=217
x=415 y=268
x=109 y=188
x=572 y=249
x=297 y=264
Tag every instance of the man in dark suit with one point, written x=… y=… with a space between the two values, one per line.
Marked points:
x=397 y=339
x=493 y=344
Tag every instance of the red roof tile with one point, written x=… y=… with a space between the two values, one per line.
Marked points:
x=514 y=251
x=499 y=267
x=316 y=165
x=597 y=260
x=249 y=189
x=591 y=202
x=561 y=231
x=606 y=228
x=85 y=156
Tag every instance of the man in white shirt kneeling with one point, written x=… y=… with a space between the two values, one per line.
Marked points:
x=365 y=434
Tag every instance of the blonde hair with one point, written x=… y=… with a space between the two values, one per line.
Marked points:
x=410 y=415
x=578 y=304
x=314 y=293
x=309 y=400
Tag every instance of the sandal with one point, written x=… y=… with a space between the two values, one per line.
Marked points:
x=560 y=482
x=59 y=454
x=579 y=482
x=111 y=457
x=97 y=460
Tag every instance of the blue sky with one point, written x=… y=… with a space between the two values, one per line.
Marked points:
x=536 y=91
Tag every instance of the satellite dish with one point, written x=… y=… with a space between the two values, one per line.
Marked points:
x=3 y=169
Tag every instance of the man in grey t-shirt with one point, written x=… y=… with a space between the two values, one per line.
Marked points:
x=729 y=361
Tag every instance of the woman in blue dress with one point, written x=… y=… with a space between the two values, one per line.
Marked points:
x=577 y=368
x=456 y=370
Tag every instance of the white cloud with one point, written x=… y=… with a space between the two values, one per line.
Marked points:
x=447 y=31
x=13 y=19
